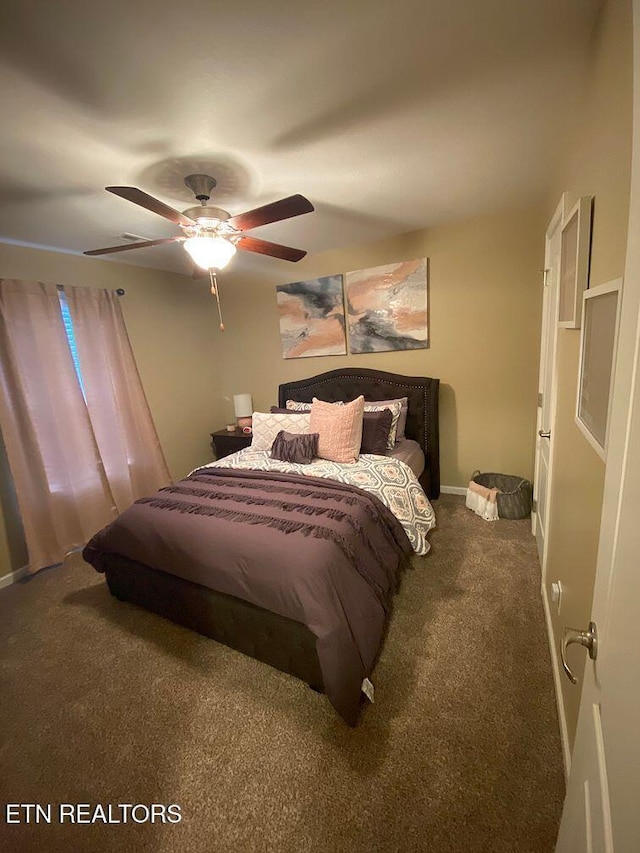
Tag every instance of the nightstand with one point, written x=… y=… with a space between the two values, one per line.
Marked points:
x=224 y=442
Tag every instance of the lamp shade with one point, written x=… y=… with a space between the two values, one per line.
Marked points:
x=210 y=252
x=242 y=405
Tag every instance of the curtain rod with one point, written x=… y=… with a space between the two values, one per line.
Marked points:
x=119 y=291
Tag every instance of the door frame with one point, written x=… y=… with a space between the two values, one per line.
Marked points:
x=557 y=222
x=548 y=337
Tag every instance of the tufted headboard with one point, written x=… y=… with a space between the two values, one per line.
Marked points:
x=350 y=382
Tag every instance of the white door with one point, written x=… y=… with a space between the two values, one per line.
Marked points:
x=546 y=381
x=602 y=807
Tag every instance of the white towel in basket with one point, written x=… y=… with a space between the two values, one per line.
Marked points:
x=483 y=501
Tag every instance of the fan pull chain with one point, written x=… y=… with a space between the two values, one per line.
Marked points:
x=214 y=292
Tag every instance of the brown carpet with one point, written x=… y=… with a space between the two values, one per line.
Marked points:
x=102 y=702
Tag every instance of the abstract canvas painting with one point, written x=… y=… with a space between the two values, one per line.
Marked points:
x=312 y=317
x=387 y=307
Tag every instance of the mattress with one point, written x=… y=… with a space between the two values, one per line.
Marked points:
x=409 y=452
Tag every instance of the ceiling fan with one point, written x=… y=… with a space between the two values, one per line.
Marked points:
x=210 y=234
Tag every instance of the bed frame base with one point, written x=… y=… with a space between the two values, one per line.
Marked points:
x=283 y=643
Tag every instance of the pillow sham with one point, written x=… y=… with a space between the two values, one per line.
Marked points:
x=339 y=429
x=395 y=409
x=295 y=406
x=295 y=447
x=266 y=427
x=375 y=432
x=402 y=420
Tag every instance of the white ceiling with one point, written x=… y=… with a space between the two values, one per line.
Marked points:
x=389 y=115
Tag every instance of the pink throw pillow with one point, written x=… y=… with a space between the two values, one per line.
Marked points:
x=339 y=428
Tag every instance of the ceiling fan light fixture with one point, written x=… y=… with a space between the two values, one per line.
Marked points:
x=210 y=252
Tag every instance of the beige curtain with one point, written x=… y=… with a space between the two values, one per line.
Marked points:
x=122 y=424
x=60 y=484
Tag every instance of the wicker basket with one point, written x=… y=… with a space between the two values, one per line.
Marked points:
x=515 y=494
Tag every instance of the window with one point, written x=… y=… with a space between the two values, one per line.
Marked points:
x=71 y=338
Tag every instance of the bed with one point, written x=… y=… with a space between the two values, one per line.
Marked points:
x=219 y=552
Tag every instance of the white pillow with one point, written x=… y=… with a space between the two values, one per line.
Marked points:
x=266 y=426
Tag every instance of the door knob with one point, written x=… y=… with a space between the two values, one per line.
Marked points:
x=544 y=434
x=588 y=639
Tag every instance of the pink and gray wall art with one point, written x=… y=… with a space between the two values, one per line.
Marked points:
x=312 y=317
x=387 y=307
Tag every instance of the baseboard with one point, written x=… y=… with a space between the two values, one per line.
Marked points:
x=13 y=577
x=453 y=490
x=557 y=676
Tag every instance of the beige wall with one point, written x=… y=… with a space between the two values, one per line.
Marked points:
x=599 y=165
x=485 y=303
x=172 y=325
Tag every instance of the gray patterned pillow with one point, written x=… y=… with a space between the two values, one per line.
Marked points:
x=404 y=410
x=295 y=406
x=295 y=447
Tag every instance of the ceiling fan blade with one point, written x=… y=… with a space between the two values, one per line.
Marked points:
x=294 y=205
x=144 y=245
x=264 y=247
x=150 y=203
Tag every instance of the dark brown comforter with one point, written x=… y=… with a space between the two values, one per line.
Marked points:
x=320 y=552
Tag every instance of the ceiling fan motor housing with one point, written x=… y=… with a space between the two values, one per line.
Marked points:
x=206 y=211
x=201 y=186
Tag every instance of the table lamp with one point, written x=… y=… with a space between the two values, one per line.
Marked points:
x=243 y=408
